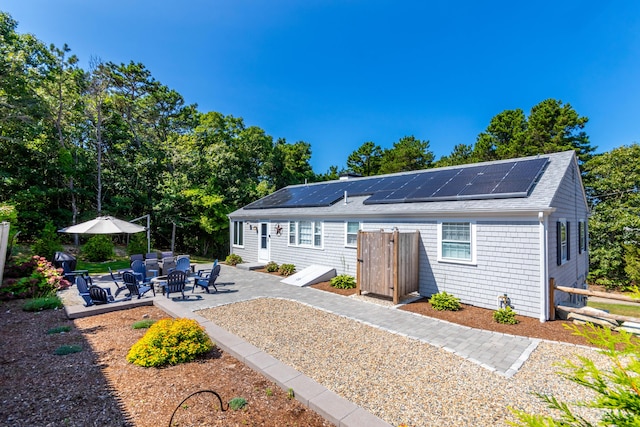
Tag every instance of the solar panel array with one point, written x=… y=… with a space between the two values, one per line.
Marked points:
x=496 y=180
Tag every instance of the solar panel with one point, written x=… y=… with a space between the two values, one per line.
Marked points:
x=497 y=180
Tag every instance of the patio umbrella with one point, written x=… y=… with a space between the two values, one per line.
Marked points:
x=104 y=225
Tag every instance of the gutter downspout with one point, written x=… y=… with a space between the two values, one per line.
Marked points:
x=544 y=264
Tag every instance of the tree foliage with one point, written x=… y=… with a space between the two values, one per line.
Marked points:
x=407 y=154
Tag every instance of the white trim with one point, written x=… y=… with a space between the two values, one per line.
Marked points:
x=544 y=267
x=233 y=233
x=313 y=234
x=472 y=243
x=346 y=232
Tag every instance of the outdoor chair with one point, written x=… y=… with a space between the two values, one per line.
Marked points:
x=134 y=287
x=176 y=281
x=100 y=295
x=67 y=271
x=167 y=264
x=135 y=257
x=83 y=290
x=151 y=255
x=119 y=287
x=206 y=281
x=183 y=264
x=140 y=270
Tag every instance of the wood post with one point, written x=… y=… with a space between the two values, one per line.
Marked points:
x=395 y=243
x=359 y=263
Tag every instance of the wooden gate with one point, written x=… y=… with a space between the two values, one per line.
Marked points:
x=388 y=263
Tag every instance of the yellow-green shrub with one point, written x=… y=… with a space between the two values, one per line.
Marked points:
x=169 y=342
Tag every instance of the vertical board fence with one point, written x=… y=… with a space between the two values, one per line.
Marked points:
x=388 y=263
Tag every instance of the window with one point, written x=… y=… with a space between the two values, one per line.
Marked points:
x=351 y=234
x=238 y=233
x=456 y=241
x=582 y=237
x=564 y=248
x=305 y=233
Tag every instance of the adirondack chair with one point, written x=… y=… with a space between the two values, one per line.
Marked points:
x=100 y=295
x=176 y=281
x=207 y=280
x=134 y=287
x=140 y=270
x=183 y=264
x=119 y=287
x=83 y=290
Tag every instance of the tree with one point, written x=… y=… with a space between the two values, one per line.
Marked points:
x=461 y=155
x=504 y=137
x=612 y=181
x=408 y=154
x=365 y=160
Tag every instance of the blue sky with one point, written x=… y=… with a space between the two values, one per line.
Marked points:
x=339 y=73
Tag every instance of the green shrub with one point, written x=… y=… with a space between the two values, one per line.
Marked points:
x=233 y=259
x=48 y=243
x=137 y=244
x=287 y=269
x=505 y=316
x=143 y=324
x=59 y=330
x=32 y=279
x=98 y=248
x=272 y=267
x=169 y=342
x=67 y=349
x=444 y=301
x=237 y=403
x=343 y=281
x=43 y=303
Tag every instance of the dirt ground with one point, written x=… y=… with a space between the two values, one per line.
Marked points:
x=98 y=387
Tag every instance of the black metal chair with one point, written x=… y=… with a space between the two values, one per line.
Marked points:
x=176 y=281
x=207 y=280
x=119 y=287
x=134 y=287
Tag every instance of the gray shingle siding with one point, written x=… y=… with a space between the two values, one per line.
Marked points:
x=508 y=239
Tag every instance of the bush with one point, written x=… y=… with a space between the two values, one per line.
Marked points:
x=98 y=248
x=169 y=342
x=63 y=350
x=505 y=315
x=287 y=269
x=237 y=403
x=233 y=259
x=32 y=279
x=271 y=267
x=444 y=301
x=48 y=243
x=343 y=281
x=143 y=324
x=43 y=303
x=137 y=244
x=59 y=330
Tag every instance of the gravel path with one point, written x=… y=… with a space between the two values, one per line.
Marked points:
x=399 y=379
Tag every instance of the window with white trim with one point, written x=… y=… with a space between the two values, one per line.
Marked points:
x=238 y=233
x=305 y=233
x=351 y=234
x=456 y=241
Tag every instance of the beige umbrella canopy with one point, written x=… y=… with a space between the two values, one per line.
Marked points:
x=104 y=225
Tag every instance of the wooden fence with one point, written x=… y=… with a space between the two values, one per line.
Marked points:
x=553 y=287
x=388 y=263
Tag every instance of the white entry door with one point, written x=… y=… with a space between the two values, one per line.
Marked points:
x=263 y=247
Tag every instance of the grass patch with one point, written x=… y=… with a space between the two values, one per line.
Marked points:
x=143 y=324
x=619 y=309
x=43 y=303
x=59 y=330
x=102 y=267
x=67 y=349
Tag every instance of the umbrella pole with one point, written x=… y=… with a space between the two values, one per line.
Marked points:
x=148 y=217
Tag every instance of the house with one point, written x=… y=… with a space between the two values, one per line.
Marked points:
x=486 y=230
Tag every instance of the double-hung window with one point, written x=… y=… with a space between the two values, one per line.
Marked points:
x=238 y=233
x=305 y=233
x=456 y=241
x=563 y=231
x=582 y=237
x=351 y=234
